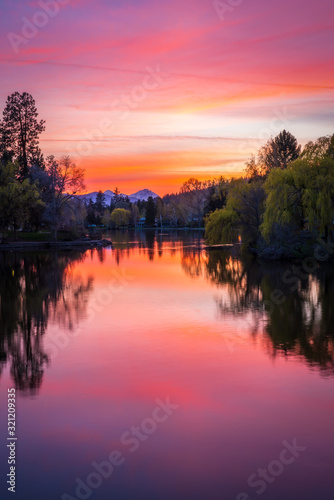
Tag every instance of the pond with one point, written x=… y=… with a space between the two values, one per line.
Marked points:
x=159 y=369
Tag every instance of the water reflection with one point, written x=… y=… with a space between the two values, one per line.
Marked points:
x=153 y=243
x=294 y=313
x=34 y=289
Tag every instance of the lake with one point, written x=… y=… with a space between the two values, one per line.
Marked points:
x=157 y=369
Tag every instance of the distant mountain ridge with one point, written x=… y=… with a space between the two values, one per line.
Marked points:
x=143 y=194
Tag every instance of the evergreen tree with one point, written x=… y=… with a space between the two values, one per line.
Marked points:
x=279 y=152
x=100 y=203
x=150 y=212
x=20 y=130
x=91 y=217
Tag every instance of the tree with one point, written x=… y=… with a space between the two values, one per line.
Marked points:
x=66 y=180
x=150 y=212
x=100 y=202
x=160 y=210
x=217 y=195
x=117 y=195
x=279 y=152
x=221 y=226
x=253 y=169
x=120 y=217
x=106 y=219
x=300 y=198
x=283 y=208
x=242 y=215
x=16 y=198
x=319 y=149
x=195 y=194
x=20 y=130
x=134 y=214
x=91 y=217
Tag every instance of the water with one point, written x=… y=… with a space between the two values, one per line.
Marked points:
x=171 y=368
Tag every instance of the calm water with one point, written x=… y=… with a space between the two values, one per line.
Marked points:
x=170 y=367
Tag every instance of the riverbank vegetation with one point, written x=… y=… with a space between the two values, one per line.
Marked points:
x=282 y=204
x=285 y=202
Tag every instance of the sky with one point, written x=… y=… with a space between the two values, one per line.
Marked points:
x=146 y=94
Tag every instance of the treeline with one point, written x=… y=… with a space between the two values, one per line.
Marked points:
x=120 y=212
x=42 y=194
x=185 y=209
x=284 y=203
x=35 y=193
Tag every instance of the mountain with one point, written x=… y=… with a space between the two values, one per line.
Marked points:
x=143 y=194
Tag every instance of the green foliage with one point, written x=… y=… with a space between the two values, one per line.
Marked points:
x=216 y=195
x=221 y=226
x=301 y=197
x=106 y=219
x=120 y=217
x=16 y=198
x=282 y=206
x=242 y=215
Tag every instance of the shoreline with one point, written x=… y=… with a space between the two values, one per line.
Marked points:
x=51 y=245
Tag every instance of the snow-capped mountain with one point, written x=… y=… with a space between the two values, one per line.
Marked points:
x=143 y=194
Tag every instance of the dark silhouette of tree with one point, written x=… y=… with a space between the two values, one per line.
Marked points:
x=100 y=203
x=279 y=152
x=91 y=216
x=20 y=130
x=150 y=212
x=249 y=287
x=34 y=288
x=217 y=196
x=65 y=181
x=195 y=194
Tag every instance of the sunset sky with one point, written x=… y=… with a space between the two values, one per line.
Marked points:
x=145 y=94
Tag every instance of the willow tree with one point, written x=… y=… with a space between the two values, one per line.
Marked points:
x=20 y=130
x=301 y=197
x=283 y=205
x=242 y=215
x=120 y=217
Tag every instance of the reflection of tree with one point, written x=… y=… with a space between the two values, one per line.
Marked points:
x=152 y=242
x=192 y=262
x=301 y=325
x=35 y=288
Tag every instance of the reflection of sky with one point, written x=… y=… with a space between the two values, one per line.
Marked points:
x=159 y=337
x=226 y=85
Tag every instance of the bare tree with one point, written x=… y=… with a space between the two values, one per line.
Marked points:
x=66 y=181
